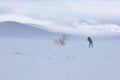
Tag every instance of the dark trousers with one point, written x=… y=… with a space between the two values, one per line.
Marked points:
x=90 y=44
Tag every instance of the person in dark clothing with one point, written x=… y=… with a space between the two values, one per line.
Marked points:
x=90 y=42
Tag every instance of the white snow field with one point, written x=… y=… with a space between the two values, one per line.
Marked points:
x=42 y=59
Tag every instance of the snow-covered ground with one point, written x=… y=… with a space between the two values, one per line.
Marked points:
x=36 y=59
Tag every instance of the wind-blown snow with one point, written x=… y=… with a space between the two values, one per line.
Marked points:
x=43 y=60
x=39 y=58
x=60 y=16
x=88 y=27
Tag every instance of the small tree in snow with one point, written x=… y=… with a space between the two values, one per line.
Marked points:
x=62 y=40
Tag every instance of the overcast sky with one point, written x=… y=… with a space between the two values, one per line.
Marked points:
x=86 y=17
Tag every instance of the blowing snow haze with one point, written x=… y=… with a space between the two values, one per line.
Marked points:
x=30 y=39
x=78 y=17
x=15 y=29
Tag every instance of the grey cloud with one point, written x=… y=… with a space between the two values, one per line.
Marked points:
x=63 y=11
x=5 y=10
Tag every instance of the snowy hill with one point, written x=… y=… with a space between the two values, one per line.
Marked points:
x=42 y=59
x=15 y=29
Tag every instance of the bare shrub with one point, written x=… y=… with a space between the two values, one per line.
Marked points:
x=62 y=40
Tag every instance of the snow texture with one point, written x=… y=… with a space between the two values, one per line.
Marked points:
x=38 y=59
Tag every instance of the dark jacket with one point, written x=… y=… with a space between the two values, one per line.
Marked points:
x=89 y=39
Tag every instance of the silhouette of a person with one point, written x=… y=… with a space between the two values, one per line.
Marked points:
x=90 y=42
